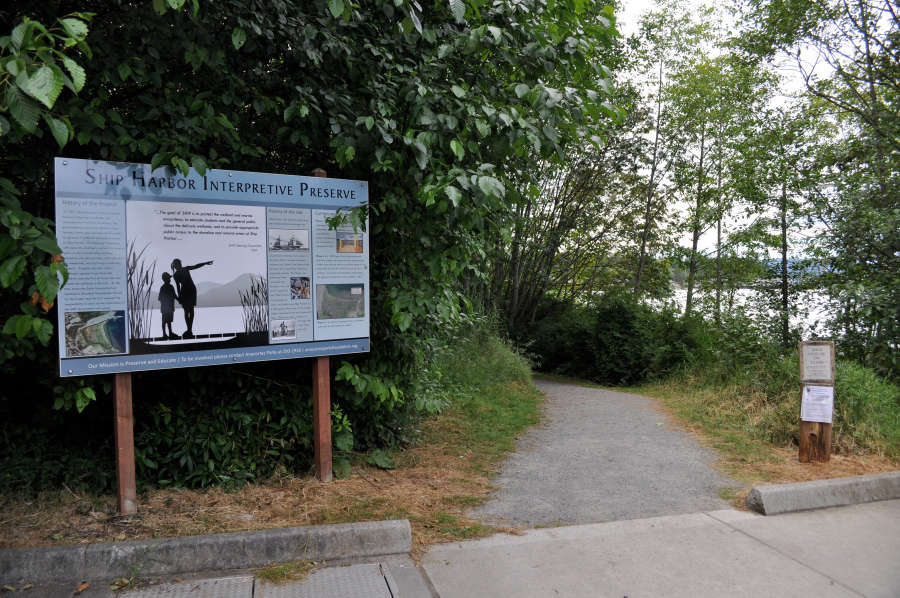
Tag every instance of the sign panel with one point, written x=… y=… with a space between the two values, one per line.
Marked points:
x=169 y=271
x=817 y=361
x=817 y=404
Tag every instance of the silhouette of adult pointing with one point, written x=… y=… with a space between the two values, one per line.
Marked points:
x=187 y=291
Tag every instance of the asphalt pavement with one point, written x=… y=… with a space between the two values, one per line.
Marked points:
x=601 y=456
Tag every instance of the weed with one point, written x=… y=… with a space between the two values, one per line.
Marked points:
x=285 y=572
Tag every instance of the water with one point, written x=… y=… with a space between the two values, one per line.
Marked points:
x=207 y=320
x=811 y=308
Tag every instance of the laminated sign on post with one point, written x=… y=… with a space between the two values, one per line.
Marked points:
x=171 y=271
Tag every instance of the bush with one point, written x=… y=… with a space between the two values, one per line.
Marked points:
x=616 y=341
x=561 y=339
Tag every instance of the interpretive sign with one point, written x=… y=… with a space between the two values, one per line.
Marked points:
x=170 y=271
x=817 y=361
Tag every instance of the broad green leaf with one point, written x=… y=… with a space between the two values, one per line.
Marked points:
x=44 y=86
x=124 y=71
x=491 y=186
x=59 y=130
x=46 y=283
x=182 y=165
x=238 y=38
x=458 y=9
x=24 y=326
x=336 y=7
x=369 y=122
x=522 y=89
x=343 y=440
x=421 y=154
x=160 y=6
x=454 y=194
x=75 y=28
x=4 y=126
x=48 y=244
x=12 y=269
x=42 y=329
x=458 y=91
x=175 y=4
x=79 y=78
x=415 y=21
x=84 y=397
x=158 y=160
x=21 y=35
x=484 y=129
x=457 y=147
x=199 y=165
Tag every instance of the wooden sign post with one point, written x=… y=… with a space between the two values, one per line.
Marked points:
x=817 y=401
x=124 y=432
x=322 y=406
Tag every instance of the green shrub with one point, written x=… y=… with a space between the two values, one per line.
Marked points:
x=561 y=339
x=616 y=341
x=228 y=429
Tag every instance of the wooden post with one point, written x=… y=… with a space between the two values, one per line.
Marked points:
x=815 y=442
x=322 y=406
x=816 y=368
x=124 y=426
x=322 y=417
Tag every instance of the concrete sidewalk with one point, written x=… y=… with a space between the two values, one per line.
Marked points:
x=844 y=551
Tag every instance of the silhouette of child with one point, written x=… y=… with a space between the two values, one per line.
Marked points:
x=167 y=299
x=187 y=292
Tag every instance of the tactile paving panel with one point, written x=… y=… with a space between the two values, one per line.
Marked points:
x=356 y=581
x=227 y=587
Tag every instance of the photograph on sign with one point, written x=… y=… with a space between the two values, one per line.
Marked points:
x=817 y=404
x=197 y=266
x=167 y=270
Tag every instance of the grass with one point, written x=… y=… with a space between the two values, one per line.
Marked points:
x=755 y=435
x=285 y=572
x=435 y=482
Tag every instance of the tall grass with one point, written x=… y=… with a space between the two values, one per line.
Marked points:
x=761 y=399
x=255 y=304
x=141 y=278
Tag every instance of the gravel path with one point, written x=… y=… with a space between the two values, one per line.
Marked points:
x=603 y=456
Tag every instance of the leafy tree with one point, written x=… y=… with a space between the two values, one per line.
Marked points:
x=440 y=107
x=857 y=204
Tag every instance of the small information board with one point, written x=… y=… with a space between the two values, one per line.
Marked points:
x=817 y=362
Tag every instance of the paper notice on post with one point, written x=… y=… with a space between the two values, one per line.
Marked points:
x=817 y=404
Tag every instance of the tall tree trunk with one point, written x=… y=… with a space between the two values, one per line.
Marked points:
x=692 y=270
x=785 y=322
x=651 y=187
x=719 y=234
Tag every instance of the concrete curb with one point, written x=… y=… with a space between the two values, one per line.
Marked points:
x=836 y=492
x=237 y=550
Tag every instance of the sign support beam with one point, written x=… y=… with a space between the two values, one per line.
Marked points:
x=322 y=406
x=124 y=430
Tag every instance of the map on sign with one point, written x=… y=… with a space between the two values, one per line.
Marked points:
x=95 y=333
x=168 y=271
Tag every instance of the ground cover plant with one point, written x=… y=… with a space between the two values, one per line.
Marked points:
x=487 y=398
